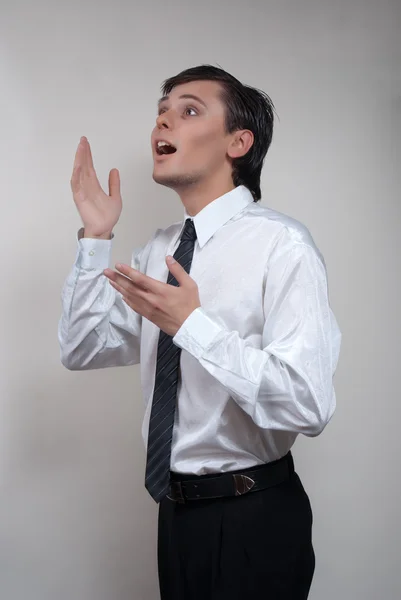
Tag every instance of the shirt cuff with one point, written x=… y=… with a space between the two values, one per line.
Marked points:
x=197 y=333
x=94 y=254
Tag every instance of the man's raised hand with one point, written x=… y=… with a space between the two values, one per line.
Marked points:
x=99 y=212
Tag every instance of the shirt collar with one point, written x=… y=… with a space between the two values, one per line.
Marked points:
x=218 y=213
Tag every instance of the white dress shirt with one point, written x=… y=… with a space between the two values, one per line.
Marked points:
x=259 y=355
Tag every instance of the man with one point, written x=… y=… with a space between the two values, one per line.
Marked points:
x=235 y=337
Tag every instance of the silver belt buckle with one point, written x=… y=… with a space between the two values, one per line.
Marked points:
x=176 y=490
x=243 y=484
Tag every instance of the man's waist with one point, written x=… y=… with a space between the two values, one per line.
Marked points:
x=186 y=487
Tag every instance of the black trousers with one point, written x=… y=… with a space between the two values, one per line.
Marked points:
x=254 y=546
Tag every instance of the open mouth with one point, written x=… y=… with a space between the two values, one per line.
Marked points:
x=165 y=148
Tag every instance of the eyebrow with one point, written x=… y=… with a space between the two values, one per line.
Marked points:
x=188 y=96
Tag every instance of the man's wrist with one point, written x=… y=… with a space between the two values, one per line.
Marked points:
x=104 y=236
x=197 y=333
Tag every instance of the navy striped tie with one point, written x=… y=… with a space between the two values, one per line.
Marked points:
x=157 y=478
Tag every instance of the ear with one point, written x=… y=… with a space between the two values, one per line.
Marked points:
x=240 y=144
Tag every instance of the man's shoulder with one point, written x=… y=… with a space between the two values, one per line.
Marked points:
x=283 y=225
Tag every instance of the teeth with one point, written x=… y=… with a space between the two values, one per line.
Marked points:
x=169 y=149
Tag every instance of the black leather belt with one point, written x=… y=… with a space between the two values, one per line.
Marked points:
x=185 y=488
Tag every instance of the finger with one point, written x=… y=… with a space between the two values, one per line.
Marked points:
x=133 y=300
x=76 y=179
x=124 y=295
x=89 y=158
x=79 y=164
x=142 y=281
x=84 y=155
x=123 y=282
x=117 y=287
x=79 y=157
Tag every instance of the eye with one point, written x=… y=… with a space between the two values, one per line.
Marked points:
x=187 y=111
x=189 y=108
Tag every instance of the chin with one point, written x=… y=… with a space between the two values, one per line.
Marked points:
x=174 y=180
x=163 y=179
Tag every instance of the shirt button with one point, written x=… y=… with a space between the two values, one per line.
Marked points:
x=92 y=253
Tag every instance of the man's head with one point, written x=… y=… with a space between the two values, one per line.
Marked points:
x=217 y=128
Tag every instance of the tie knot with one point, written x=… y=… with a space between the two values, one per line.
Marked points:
x=189 y=232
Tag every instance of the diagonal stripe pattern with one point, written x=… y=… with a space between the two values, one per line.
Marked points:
x=157 y=478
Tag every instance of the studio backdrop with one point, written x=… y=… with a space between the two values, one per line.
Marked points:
x=75 y=519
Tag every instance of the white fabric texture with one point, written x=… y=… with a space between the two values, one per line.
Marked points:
x=259 y=355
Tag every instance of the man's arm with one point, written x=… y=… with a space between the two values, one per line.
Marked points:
x=287 y=384
x=97 y=329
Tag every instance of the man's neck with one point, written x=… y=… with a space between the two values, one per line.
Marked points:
x=196 y=197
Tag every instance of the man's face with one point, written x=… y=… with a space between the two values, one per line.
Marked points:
x=192 y=120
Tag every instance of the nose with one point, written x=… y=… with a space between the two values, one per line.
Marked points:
x=163 y=121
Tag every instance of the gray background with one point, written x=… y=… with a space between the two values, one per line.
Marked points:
x=75 y=520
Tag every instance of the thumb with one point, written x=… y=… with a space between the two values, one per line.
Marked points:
x=114 y=183
x=177 y=270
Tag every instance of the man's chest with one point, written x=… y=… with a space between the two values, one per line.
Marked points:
x=229 y=276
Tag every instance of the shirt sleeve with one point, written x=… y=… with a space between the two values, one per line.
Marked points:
x=97 y=328
x=287 y=384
